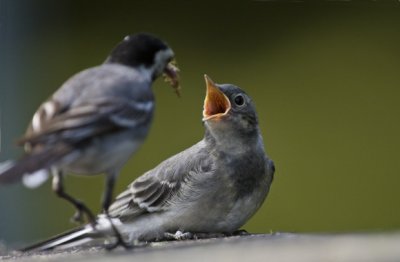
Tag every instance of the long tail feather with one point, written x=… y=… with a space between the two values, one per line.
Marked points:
x=85 y=236
x=69 y=239
x=12 y=172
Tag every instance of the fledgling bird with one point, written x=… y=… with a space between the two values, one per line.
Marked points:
x=215 y=186
x=96 y=120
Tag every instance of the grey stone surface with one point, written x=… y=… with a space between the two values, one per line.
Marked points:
x=275 y=247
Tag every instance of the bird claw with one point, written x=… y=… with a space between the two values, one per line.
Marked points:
x=78 y=217
x=179 y=235
x=81 y=211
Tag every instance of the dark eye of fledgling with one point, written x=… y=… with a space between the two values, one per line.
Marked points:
x=239 y=100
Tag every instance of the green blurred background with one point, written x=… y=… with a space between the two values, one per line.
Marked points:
x=324 y=76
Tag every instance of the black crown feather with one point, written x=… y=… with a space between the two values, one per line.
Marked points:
x=136 y=50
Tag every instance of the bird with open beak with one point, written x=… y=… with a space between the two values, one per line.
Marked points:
x=213 y=187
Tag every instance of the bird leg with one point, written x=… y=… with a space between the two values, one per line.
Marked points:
x=107 y=199
x=81 y=208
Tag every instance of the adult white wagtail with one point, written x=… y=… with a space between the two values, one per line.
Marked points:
x=212 y=187
x=96 y=120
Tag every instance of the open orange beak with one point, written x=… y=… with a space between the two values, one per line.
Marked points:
x=216 y=104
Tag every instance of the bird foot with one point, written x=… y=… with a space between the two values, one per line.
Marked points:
x=179 y=235
x=78 y=217
x=81 y=211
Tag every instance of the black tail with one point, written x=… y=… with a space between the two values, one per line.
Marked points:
x=76 y=237
x=32 y=162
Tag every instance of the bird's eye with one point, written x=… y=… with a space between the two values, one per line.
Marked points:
x=239 y=100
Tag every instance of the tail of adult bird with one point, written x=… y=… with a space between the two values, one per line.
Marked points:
x=30 y=164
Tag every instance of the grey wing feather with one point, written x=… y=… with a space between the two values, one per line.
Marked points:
x=146 y=195
x=91 y=119
x=153 y=191
x=95 y=101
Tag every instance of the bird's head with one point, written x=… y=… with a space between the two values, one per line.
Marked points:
x=227 y=108
x=149 y=54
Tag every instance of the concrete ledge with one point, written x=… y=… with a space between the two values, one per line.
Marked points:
x=275 y=247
